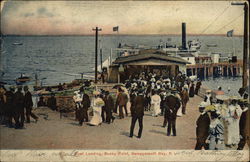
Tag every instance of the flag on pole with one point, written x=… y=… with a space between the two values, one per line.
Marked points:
x=230 y=33
x=115 y=28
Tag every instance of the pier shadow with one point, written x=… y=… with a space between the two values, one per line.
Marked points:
x=157 y=125
x=125 y=133
x=158 y=132
x=147 y=115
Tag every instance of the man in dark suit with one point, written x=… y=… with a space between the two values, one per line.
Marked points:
x=83 y=111
x=137 y=112
x=202 y=129
x=19 y=108
x=109 y=107
x=173 y=103
x=28 y=104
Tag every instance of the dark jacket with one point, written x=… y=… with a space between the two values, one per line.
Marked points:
x=28 y=103
x=85 y=101
x=138 y=106
x=191 y=91
x=202 y=128
x=19 y=100
x=109 y=103
x=172 y=104
x=9 y=100
x=122 y=99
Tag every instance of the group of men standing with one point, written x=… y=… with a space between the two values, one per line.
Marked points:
x=16 y=105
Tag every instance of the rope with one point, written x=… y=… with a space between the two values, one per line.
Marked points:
x=230 y=22
x=215 y=19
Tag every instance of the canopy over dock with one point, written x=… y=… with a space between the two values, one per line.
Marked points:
x=147 y=61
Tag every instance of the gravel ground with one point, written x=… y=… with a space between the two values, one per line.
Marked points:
x=51 y=132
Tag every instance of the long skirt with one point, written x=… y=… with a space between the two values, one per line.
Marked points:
x=97 y=118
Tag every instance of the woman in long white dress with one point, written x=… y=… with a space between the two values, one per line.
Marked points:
x=155 y=104
x=233 y=118
x=97 y=110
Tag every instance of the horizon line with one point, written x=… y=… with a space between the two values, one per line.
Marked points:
x=236 y=35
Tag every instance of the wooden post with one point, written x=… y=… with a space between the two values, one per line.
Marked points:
x=222 y=70
x=245 y=46
x=96 y=50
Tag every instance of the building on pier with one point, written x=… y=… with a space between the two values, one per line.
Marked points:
x=148 y=61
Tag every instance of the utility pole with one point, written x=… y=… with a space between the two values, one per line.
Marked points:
x=245 y=44
x=96 y=50
x=245 y=62
x=100 y=53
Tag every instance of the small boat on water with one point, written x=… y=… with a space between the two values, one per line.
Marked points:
x=22 y=79
x=211 y=45
x=17 y=43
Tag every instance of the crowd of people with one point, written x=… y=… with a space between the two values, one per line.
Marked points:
x=144 y=92
x=14 y=104
x=222 y=122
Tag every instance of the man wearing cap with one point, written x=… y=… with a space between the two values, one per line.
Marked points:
x=28 y=104
x=202 y=127
x=137 y=112
x=19 y=108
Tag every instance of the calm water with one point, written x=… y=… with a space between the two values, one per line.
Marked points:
x=53 y=57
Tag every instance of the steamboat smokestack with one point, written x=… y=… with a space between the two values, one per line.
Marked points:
x=184 y=36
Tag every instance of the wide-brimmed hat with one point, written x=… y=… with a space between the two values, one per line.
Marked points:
x=210 y=108
x=234 y=98
x=222 y=97
x=208 y=91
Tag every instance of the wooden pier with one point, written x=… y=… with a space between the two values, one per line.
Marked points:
x=224 y=69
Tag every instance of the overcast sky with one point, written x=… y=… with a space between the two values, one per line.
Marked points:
x=132 y=17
